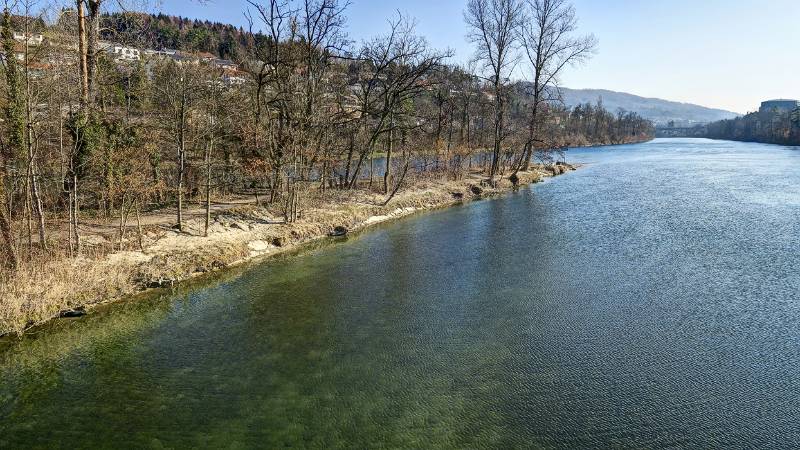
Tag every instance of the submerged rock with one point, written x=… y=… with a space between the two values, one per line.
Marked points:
x=338 y=231
x=72 y=313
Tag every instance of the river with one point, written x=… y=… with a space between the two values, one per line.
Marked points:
x=649 y=299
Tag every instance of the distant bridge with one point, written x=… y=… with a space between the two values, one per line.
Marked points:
x=695 y=131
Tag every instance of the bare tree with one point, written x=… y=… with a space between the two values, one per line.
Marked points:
x=395 y=70
x=274 y=85
x=322 y=36
x=215 y=121
x=177 y=89
x=546 y=35
x=31 y=144
x=493 y=26
x=19 y=111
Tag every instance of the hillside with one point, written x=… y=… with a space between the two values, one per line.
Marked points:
x=158 y=31
x=659 y=111
x=229 y=42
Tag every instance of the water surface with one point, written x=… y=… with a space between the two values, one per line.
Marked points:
x=648 y=300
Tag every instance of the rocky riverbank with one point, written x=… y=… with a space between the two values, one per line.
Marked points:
x=70 y=287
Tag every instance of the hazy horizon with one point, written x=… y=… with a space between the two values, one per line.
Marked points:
x=706 y=54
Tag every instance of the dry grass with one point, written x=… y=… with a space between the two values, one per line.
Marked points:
x=40 y=291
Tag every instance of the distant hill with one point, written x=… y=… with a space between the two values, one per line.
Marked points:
x=659 y=111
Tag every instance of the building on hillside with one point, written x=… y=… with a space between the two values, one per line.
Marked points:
x=779 y=105
x=233 y=77
x=224 y=64
x=121 y=52
x=194 y=58
x=32 y=38
x=163 y=53
x=184 y=58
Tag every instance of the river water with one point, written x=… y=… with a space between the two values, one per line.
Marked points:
x=648 y=300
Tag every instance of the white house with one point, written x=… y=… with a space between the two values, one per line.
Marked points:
x=122 y=53
x=31 y=38
x=163 y=53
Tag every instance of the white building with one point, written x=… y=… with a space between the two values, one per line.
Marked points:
x=163 y=53
x=31 y=38
x=122 y=53
x=233 y=79
x=225 y=64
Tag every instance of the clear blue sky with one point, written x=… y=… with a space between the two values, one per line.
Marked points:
x=729 y=54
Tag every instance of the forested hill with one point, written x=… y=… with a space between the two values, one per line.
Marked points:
x=770 y=127
x=159 y=31
x=657 y=110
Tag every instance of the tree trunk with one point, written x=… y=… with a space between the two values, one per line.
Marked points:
x=28 y=212
x=371 y=169
x=181 y=157
x=180 y=189
x=37 y=200
x=75 y=211
x=350 y=150
x=139 y=226
x=532 y=130
x=92 y=48
x=323 y=174
x=84 y=73
x=5 y=230
x=209 y=149
x=387 y=171
x=123 y=221
x=498 y=129
x=71 y=246
x=400 y=181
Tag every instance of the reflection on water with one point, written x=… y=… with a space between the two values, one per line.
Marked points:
x=648 y=300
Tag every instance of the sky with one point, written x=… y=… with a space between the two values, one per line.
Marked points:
x=729 y=54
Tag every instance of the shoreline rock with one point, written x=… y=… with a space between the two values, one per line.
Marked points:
x=338 y=231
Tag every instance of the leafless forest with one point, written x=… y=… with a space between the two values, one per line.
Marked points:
x=99 y=128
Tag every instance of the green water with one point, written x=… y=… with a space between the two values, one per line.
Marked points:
x=648 y=300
